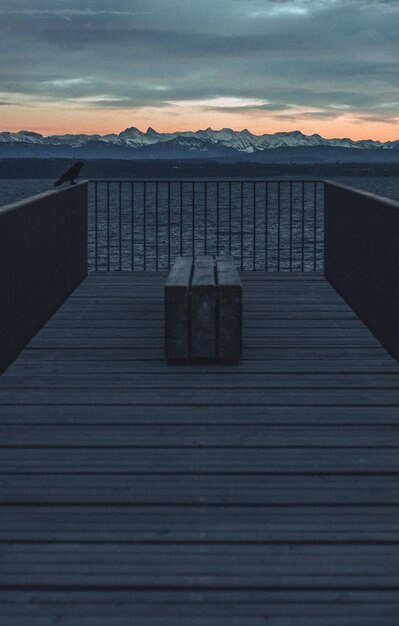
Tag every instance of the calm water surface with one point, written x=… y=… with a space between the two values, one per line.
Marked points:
x=12 y=190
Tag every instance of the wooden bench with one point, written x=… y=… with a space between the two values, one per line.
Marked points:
x=203 y=309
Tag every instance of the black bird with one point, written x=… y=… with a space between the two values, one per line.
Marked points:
x=70 y=174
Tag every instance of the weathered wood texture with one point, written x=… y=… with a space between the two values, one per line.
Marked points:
x=136 y=492
x=177 y=313
x=230 y=306
x=203 y=309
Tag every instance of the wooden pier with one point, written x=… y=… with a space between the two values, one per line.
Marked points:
x=139 y=493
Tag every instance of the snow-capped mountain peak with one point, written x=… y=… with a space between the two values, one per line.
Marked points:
x=222 y=141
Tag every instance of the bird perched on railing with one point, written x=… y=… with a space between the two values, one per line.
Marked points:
x=70 y=174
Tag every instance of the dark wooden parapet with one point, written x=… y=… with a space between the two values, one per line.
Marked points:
x=43 y=257
x=203 y=309
x=362 y=257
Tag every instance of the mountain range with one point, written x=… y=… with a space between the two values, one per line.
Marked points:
x=226 y=143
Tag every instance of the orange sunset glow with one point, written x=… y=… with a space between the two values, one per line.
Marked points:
x=265 y=65
x=73 y=120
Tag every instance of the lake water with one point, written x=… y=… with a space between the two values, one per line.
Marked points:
x=12 y=190
x=275 y=234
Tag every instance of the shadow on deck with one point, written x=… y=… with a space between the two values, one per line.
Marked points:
x=135 y=492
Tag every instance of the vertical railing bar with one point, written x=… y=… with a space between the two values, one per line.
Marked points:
x=242 y=225
x=217 y=217
x=206 y=219
x=132 y=221
x=230 y=200
x=108 y=242
x=266 y=224
x=303 y=225
x=314 y=227
x=181 y=218
x=278 y=224
x=193 y=217
x=96 y=226
x=291 y=229
x=145 y=225
x=254 y=225
x=169 y=225
x=156 y=223
x=120 y=226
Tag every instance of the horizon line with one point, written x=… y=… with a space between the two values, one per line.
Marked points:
x=209 y=128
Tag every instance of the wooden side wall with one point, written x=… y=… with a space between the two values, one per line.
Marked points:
x=43 y=257
x=361 y=248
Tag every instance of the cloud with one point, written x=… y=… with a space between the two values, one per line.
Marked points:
x=379 y=119
x=65 y=83
x=61 y=12
x=280 y=9
x=311 y=59
x=219 y=103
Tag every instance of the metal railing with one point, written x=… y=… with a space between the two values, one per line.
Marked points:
x=266 y=225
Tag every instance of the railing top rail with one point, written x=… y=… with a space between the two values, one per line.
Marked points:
x=393 y=204
x=206 y=179
x=14 y=206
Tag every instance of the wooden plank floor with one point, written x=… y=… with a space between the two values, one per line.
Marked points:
x=134 y=492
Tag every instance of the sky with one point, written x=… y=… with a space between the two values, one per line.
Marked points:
x=99 y=66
